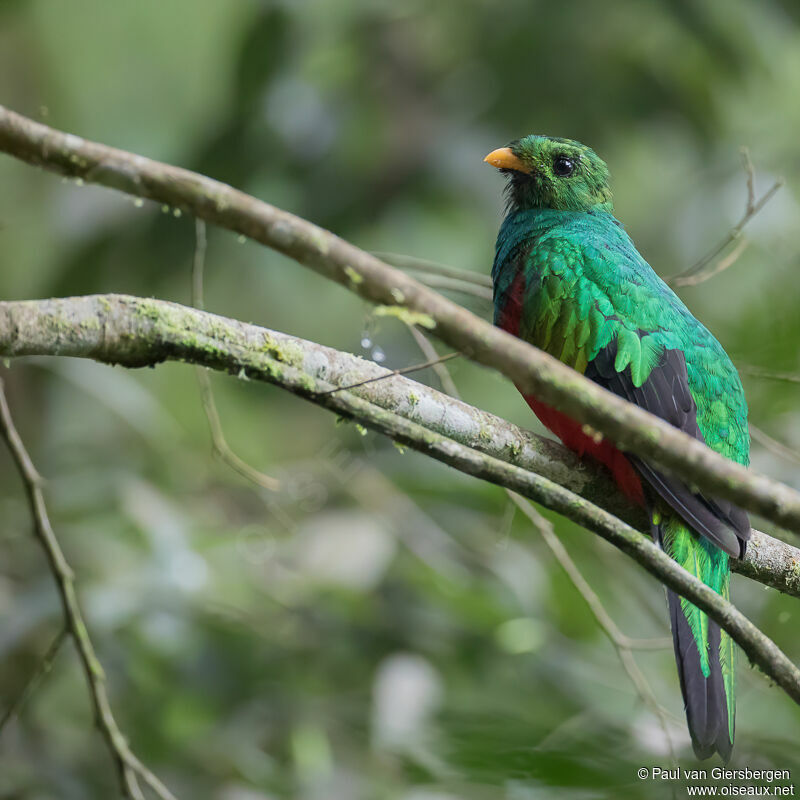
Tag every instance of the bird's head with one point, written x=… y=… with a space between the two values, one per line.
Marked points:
x=546 y=172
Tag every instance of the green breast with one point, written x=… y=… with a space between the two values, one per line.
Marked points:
x=586 y=284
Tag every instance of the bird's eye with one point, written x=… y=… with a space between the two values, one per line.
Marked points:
x=563 y=167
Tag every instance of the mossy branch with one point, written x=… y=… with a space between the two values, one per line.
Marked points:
x=534 y=371
x=135 y=332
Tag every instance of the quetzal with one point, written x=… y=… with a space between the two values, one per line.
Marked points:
x=569 y=280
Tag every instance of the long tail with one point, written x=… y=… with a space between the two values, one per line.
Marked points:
x=704 y=653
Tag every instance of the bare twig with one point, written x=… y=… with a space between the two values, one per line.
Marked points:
x=402 y=371
x=435 y=268
x=706 y=274
x=199 y=263
x=423 y=536
x=622 y=643
x=532 y=370
x=218 y=441
x=773 y=375
x=428 y=350
x=45 y=665
x=698 y=273
x=129 y=768
x=441 y=276
x=454 y=285
x=220 y=444
x=780 y=449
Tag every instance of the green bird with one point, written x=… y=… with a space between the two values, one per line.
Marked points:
x=569 y=280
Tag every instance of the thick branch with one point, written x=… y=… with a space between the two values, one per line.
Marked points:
x=137 y=332
x=532 y=370
x=118 y=329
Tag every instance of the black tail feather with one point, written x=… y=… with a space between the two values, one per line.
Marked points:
x=703 y=697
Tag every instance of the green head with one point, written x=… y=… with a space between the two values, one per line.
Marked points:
x=546 y=172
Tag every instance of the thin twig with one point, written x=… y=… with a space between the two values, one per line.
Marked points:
x=129 y=768
x=435 y=268
x=423 y=536
x=218 y=441
x=652 y=643
x=780 y=449
x=453 y=285
x=220 y=444
x=442 y=276
x=402 y=371
x=772 y=375
x=45 y=665
x=706 y=274
x=621 y=642
x=428 y=350
x=199 y=263
x=698 y=273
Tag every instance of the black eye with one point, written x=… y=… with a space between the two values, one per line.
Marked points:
x=563 y=167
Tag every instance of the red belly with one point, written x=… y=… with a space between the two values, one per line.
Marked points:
x=572 y=435
x=571 y=432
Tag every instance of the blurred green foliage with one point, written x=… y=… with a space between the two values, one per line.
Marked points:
x=382 y=627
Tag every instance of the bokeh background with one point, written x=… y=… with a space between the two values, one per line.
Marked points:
x=382 y=627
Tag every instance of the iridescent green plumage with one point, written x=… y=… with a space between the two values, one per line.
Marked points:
x=568 y=279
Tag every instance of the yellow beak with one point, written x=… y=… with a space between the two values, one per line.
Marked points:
x=503 y=158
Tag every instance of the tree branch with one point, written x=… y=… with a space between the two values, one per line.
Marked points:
x=622 y=643
x=534 y=371
x=700 y=272
x=219 y=443
x=135 y=332
x=129 y=768
x=41 y=672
